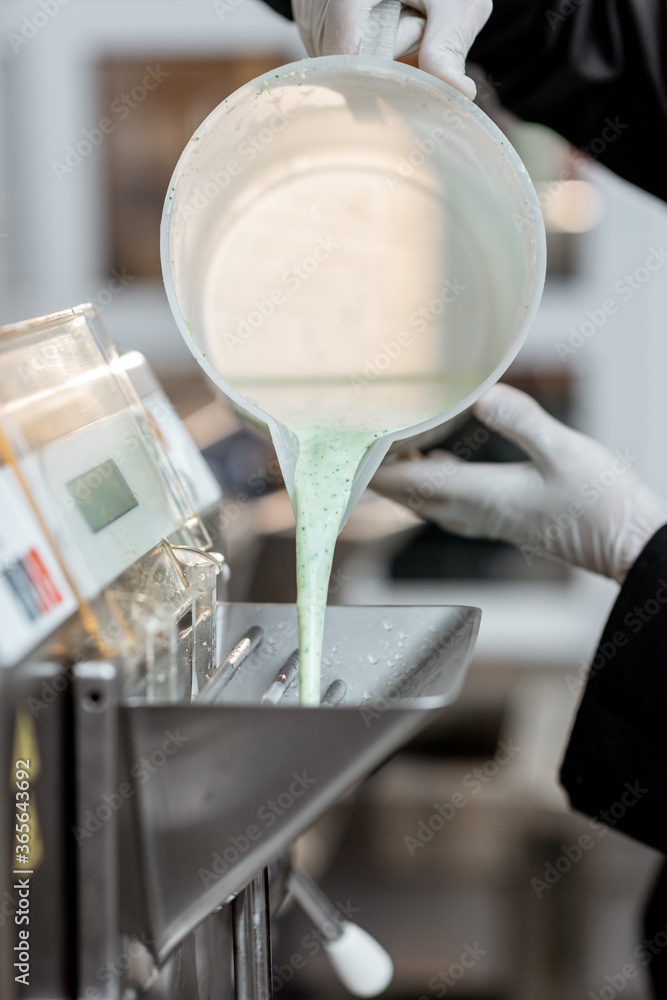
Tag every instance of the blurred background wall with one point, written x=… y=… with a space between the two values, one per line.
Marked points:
x=97 y=98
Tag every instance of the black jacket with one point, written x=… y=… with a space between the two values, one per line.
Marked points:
x=593 y=70
x=615 y=765
x=619 y=738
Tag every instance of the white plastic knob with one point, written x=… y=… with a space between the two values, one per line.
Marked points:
x=362 y=965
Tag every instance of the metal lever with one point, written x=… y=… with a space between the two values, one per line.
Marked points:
x=334 y=694
x=283 y=679
x=216 y=684
x=362 y=965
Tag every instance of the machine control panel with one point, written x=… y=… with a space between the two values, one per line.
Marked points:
x=91 y=477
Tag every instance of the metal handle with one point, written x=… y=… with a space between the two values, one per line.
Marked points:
x=315 y=904
x=379 y=38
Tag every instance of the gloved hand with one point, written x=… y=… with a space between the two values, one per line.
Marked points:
x=443 y=30
x=574 y=500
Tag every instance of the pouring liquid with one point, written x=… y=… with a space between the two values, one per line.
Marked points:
x=336 y=423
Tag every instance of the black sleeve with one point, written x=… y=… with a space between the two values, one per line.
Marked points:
x=593 y=70
x=283 y=7
x=615 y=765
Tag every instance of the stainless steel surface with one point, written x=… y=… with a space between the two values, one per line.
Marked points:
x=252 y=940
x=216 y=684
x=95 y=688
x=241 y=782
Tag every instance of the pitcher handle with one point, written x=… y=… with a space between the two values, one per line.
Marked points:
x=379 y=36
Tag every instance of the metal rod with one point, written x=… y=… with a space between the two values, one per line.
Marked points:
x=334 y=694
x=252 y=940
x=216 y=684
x=283 y=679
x=315 y=904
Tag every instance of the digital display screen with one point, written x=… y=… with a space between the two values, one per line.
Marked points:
x=102 y=495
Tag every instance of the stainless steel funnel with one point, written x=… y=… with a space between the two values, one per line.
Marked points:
x=218 y=791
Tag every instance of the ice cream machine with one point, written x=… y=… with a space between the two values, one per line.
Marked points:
x=157 y=764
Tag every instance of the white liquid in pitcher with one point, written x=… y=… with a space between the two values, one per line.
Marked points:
x=336 y=423
x=388 y=272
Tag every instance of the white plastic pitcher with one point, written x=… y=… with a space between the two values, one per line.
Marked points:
x=350 y=220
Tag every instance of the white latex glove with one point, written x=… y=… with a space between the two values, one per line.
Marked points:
x=443 y=30
x=574 y=500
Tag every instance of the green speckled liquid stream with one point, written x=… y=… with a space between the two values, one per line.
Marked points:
x=335 y=425
x=326 y=467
